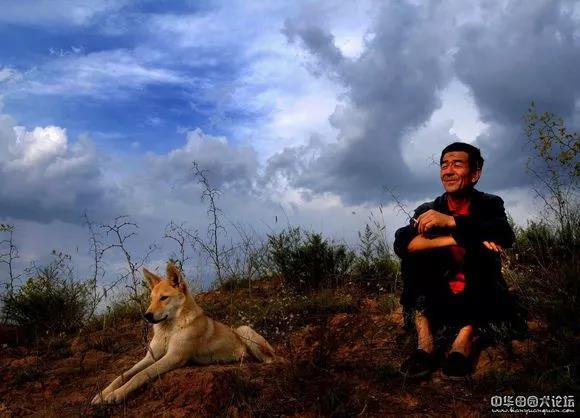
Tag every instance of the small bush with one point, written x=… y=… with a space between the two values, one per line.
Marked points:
x=50 y=301
x=544 y=267
x=123 y=307
x=542 y=244
x=307 y=261
x=233 y=282
x=376 y=264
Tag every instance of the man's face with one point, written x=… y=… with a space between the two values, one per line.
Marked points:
x=455 y=173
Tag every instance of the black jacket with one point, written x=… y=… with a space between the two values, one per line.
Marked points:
x=425 y=273
x=487 y=221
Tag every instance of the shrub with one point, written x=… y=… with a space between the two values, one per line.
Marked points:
x=232 y=282
x=50 y=301
x=545 y=267
x=542 y=244
x=376 y=264
x=307 y=261
x=124 y=306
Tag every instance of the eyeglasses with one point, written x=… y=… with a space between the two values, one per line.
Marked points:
x=454 y=164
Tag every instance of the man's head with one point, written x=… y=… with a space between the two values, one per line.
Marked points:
x=461 y=166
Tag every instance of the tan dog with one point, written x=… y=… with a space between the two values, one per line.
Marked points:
x=182 y=333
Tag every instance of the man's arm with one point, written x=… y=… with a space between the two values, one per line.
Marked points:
x=420 y=243
x=491 y=225
x=404 y=235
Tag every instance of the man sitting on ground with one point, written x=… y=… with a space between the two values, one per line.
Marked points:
x=451 y=265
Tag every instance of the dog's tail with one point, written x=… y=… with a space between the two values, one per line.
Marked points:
x=256 y=344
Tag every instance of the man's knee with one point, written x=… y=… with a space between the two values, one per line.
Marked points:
x=426 y=263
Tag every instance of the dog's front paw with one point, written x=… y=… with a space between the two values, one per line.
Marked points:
x=112 y=398
x=98 y=399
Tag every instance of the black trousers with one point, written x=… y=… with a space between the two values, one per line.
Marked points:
x=485 y=301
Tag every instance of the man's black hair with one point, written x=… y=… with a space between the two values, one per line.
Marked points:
x=475 y=160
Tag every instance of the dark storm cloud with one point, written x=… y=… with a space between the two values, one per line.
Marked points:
x=506 y=153
x=291 y=163
x=317 y=40
x=392 y=87
x=226 y=166
x=523 y=52
x=515 y=53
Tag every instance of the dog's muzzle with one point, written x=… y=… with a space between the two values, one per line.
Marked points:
x=149 y=317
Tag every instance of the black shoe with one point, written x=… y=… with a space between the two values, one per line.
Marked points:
x=456 y=367
x=419 y=364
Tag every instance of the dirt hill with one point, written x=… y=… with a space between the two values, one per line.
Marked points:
x=338 y=350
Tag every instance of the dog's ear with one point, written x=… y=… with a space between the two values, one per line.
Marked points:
x=174 y=275
x=151 y=278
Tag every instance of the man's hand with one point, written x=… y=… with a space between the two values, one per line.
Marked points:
x=493 y=246
x=432 y=219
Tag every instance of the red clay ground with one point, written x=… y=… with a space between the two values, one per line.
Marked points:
x=338 y=364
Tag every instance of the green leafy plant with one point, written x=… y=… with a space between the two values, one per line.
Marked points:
x=308 y=261
x=375 y=263
x=50 y=300
x=554 y=164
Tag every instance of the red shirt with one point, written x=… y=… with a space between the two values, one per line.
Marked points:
x=457 y=282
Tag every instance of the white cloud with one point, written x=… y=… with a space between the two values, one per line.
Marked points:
x=33 y=148
x=296 y=105
x=44 y=176
x=199 y=31
x=228 y=166
x=56 y=12
x=275 y=84
x=101 y=74
x=8 y=74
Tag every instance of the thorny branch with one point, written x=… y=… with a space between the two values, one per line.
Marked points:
x=182 y=236
x=8 y=257
x=211 y=194
x=120 y=237
x=97 y=250
x=400 y=206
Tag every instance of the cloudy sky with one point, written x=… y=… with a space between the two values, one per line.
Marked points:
x=301 y=111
